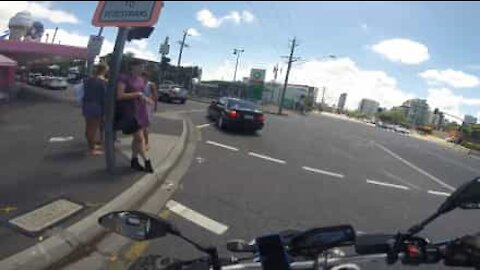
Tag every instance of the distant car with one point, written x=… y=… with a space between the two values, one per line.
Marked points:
x=57 y=83
x=171 y=93
x=236 y=113
x=380 y=124
x=402 y=130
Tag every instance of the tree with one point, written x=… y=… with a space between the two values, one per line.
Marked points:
x=393 y=116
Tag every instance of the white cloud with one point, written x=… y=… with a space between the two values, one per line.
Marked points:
x=39 y=10
x=338 y=76
x=343 y=75
x=402 y=51
x=248 y=16
x=193 y=32
x=137 y=47
x=208 y=19
x=141 y=44
x=233 y=16
x=453 y=78
x=447 y=101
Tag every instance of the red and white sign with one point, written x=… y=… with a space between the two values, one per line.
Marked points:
x=127 y=13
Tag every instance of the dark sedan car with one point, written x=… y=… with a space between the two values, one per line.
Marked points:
x=236 y=113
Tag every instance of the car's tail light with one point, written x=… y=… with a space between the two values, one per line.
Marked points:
x=260 y=118
x=233 y=114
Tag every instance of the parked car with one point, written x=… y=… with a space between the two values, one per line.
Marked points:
x=32 y=78
x=171 y=93
x=402 y=130
x=57 y=83
x=236 y=113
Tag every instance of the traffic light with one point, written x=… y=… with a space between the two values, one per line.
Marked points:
x=139 y=33
x=435 y=111
x=164 y=62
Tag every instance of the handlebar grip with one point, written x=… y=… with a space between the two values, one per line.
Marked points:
x=373 y=243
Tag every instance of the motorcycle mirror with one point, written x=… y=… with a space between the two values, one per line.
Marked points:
x=466 y=196
x=137 y=225
x=239 y=245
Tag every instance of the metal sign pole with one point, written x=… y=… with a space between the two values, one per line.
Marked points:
x=110 y=99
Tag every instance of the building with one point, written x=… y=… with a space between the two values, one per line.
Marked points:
x=417 y=112
x=341 y=102
x=469 y=119
x=293 y=93
x=368 y=106
x=438 y=121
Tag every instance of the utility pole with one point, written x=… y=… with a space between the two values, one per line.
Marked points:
x=323 y=98
x=54 y=34
x=275 y=75
x=291 y=59
x=236 y=52
x=182 y=44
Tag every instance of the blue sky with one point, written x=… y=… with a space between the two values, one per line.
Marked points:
x=387 y=51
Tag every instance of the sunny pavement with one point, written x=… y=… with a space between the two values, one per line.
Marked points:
x=307 y=171
x=36 y=171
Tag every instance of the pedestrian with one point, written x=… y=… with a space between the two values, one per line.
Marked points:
x=132 y=116
x=151 y=92
x=94 y=90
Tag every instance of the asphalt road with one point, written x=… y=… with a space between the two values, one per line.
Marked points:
x=309 y=171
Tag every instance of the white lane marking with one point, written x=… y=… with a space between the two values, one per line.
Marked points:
x=60 y=139
x=323 y=172
x=439 y=193
x=197 y=218
x=401 y=180
x=222 y=145
x=204 y=125
x=435 y=179
x=267 y=158
x=387 y=184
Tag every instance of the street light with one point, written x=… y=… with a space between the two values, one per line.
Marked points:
x=236 y=52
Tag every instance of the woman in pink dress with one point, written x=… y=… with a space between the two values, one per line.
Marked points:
x=132 y=106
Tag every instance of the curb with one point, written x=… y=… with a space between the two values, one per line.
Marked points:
x=63 y=244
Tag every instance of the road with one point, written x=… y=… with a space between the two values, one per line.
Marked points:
x=309 y=171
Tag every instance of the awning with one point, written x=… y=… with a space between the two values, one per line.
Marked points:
x=7 y=62
x=26 y=52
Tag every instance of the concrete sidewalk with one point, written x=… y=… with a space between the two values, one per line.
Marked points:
x=45 y=163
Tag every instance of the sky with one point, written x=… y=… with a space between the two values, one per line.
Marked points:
x=386 y=51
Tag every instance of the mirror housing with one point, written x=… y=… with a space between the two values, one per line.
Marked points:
x=317 y=240
x=239 y=245
x=466 y=196
x=137 y=225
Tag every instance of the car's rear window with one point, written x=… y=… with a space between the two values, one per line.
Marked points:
x=241 y=104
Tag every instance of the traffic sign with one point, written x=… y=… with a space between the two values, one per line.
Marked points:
x=257 y=75
x=127 y=13
x=94 y=46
